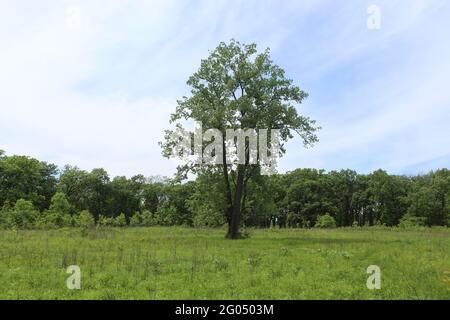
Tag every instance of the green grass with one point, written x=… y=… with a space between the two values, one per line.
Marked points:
x=183 y=263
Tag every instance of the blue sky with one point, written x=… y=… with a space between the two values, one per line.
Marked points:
x=92 y=83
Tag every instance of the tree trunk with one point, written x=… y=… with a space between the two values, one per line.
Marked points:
x=233 y=226
x=229 y=209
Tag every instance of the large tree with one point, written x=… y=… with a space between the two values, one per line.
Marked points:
x=26 y=178
x=238 y=88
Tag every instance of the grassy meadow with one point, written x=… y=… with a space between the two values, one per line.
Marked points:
x=185 y=263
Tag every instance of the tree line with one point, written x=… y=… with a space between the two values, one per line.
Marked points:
x=36 y=194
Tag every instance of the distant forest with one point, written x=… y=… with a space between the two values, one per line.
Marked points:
x=35 y=194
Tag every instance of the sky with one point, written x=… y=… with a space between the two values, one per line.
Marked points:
x=93 y=83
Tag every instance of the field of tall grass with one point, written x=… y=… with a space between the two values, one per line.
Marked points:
x=185 y=263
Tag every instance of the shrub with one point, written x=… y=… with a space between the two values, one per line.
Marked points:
x=136 y=219
x=208 y=217
x=409 y=221
x=47 y=220
x=67 y=220
x=166 y=215
x=120 y=220
x=149 y=219
x=106 y=221
x=58 y=215
x=326 y=222
x=60 y=204
x=23 y=215
x=6 y=215
x=84 y=220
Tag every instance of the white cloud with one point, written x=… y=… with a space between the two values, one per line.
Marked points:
x=397 y=118
x=100 y=95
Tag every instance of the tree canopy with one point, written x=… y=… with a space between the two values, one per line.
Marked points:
x=238 y=88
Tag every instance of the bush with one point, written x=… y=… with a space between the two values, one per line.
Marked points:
x=326 y=222
x=67 y=220
x=409 y=221
x=50 y=219
x=166 y=215
x=6 y=215
x=136 y=220
x=60 y=204
x=84 y=220
x=120 y=220
x=106 y=221
x=149 y=219
x=208 y=217
x=58 y=215
x=23 y=215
